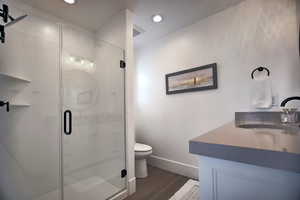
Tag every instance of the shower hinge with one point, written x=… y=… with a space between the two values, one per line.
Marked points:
x=122 y=64
x=123 y=173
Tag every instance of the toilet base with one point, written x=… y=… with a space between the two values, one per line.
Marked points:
x=141 y=170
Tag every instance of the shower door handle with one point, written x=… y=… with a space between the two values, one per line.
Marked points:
x=68 y=122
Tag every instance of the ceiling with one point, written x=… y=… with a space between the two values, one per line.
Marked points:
x=177 y=14
x=91 y=14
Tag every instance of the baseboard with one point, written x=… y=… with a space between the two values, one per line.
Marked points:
x=174 y=166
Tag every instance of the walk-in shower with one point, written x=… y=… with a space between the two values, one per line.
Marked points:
x=63 y=136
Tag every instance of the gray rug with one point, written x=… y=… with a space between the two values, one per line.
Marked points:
x=189 y=191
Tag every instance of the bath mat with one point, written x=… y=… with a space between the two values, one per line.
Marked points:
x=189 y=191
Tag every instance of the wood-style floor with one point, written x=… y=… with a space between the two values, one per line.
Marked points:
x=159 y=185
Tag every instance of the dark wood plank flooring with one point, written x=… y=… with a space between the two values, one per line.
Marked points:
x=159 y=185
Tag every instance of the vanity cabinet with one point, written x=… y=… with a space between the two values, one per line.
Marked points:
x=228 y=180
x=249 y=163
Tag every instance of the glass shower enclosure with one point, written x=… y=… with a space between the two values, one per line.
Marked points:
x=64 y=134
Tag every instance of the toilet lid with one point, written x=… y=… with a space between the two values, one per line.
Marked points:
x=142 y=147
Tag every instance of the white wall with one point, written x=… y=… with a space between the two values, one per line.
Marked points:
x=250 y=34
x=114 y=30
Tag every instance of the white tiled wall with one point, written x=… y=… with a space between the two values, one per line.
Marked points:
x=29 y=145
x=29 y=138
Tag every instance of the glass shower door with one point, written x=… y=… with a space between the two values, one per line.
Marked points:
x=94 y=118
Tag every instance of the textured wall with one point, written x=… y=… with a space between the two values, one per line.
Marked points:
x=255 y=32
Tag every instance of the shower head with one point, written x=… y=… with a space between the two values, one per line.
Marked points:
x=13 y=21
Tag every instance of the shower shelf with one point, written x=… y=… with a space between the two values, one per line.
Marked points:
x=13 y=77
x=15 y=104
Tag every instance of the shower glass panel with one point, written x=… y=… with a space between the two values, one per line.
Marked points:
x=30 y=131
x=93 y=100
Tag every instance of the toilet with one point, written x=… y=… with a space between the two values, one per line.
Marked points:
x=142 y=151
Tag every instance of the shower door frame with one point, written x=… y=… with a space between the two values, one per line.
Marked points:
x=61 y=177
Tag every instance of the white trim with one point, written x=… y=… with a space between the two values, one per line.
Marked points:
x=190 y=190
x=174 y=166
x=122 y=195
x=131 y=186
x=130 y=119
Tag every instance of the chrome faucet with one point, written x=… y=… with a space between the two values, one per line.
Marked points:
x=289 y=115
x=284 y=102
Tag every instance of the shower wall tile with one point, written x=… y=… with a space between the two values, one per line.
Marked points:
x=29 y=145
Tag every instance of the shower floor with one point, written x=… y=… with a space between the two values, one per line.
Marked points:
x=88 y=189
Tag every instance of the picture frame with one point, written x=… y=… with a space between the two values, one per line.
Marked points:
x=192 y=80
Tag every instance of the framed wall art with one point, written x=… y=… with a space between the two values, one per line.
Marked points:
x=192 y=80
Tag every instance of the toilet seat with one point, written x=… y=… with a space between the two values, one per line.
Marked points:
x=138 y=147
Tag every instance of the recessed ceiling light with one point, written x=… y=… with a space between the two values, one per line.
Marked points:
x=157 y=18
x=70 y=1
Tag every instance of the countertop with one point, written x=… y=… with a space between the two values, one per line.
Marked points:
x=278 y=149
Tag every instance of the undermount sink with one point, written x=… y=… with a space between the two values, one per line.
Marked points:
x=258 y=125
x=263 y=120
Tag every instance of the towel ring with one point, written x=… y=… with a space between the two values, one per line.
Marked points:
x=260 y=69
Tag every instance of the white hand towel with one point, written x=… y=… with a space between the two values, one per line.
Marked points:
x=261 y=97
